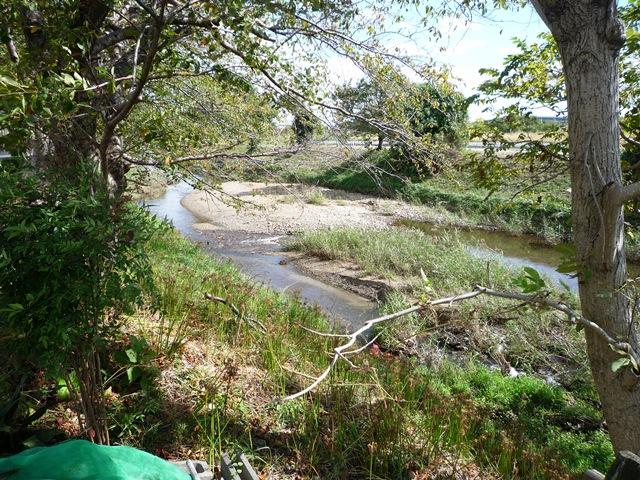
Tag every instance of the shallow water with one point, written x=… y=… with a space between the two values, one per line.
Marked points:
x=520 y=251
x=257 y=256
x=515 y=251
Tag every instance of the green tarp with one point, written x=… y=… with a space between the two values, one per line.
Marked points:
x=82 y=460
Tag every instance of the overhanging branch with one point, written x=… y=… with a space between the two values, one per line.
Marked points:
x=539 y=299
x=628 y=193
x=218 y=155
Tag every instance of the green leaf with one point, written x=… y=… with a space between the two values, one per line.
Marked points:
x=423 y=276
x=63 y=390
x=9 y=81
x=533 y=273
x=620 y=363
x=68 y=79
x=133 y=373
x=569 y=267
x=531 y=281
x=566 y=249
x=132 y=355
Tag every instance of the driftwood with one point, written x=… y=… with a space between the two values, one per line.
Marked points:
x=538 y=299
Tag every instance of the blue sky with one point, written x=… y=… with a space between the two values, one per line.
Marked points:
x=485 y=42
x=465 y=46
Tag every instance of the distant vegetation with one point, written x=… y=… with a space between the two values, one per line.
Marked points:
x=521 y=123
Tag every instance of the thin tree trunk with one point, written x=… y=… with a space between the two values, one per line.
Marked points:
x=589 y=37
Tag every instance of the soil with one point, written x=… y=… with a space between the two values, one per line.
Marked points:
x=280 y=209
x=241 y=210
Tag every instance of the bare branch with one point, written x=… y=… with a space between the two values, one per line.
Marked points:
x=627 y=138
x=323 y=334
x=539 y=299
x=215 y=156
x=297 y=95
x=628 y=193
x=115 y=37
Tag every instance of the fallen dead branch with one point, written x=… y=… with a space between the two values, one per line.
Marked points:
x=254 y=322
x=538 y=299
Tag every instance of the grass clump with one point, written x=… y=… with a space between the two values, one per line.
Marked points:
x=388 y=418
x=404 y=252
x=315 y=197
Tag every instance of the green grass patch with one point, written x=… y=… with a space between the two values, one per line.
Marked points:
x=315 y=197
x=389 y=418
x=544 y=212
x=405 y=252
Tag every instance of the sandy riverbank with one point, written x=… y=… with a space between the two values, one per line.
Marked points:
x=279 y=209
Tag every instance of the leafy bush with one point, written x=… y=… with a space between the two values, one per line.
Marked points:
x=71 y=264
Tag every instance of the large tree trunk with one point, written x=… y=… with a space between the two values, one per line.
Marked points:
x=589 y=37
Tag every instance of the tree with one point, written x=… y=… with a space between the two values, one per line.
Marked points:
x=589 y=36
x=71 y=265
x=304 y=126
x=580 y=62
x=77 y=69
x=438 y=109
x=189 y=115
x=432 y=108
x=366 y=100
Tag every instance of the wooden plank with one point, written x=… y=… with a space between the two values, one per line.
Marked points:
x=246 y=470
x=227 y=469
x=626 y=467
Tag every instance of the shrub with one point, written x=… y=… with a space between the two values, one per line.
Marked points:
x=71 y=264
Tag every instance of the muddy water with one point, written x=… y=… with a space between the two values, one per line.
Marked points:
x=515 y=251
x=257 y=256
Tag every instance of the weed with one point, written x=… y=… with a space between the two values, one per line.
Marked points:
x=389 y=418
x=287 y=199
x=315 y=197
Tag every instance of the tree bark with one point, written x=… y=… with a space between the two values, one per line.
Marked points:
x=589 y=37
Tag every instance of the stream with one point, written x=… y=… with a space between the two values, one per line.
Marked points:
x=515 y=251
x=258 y=255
